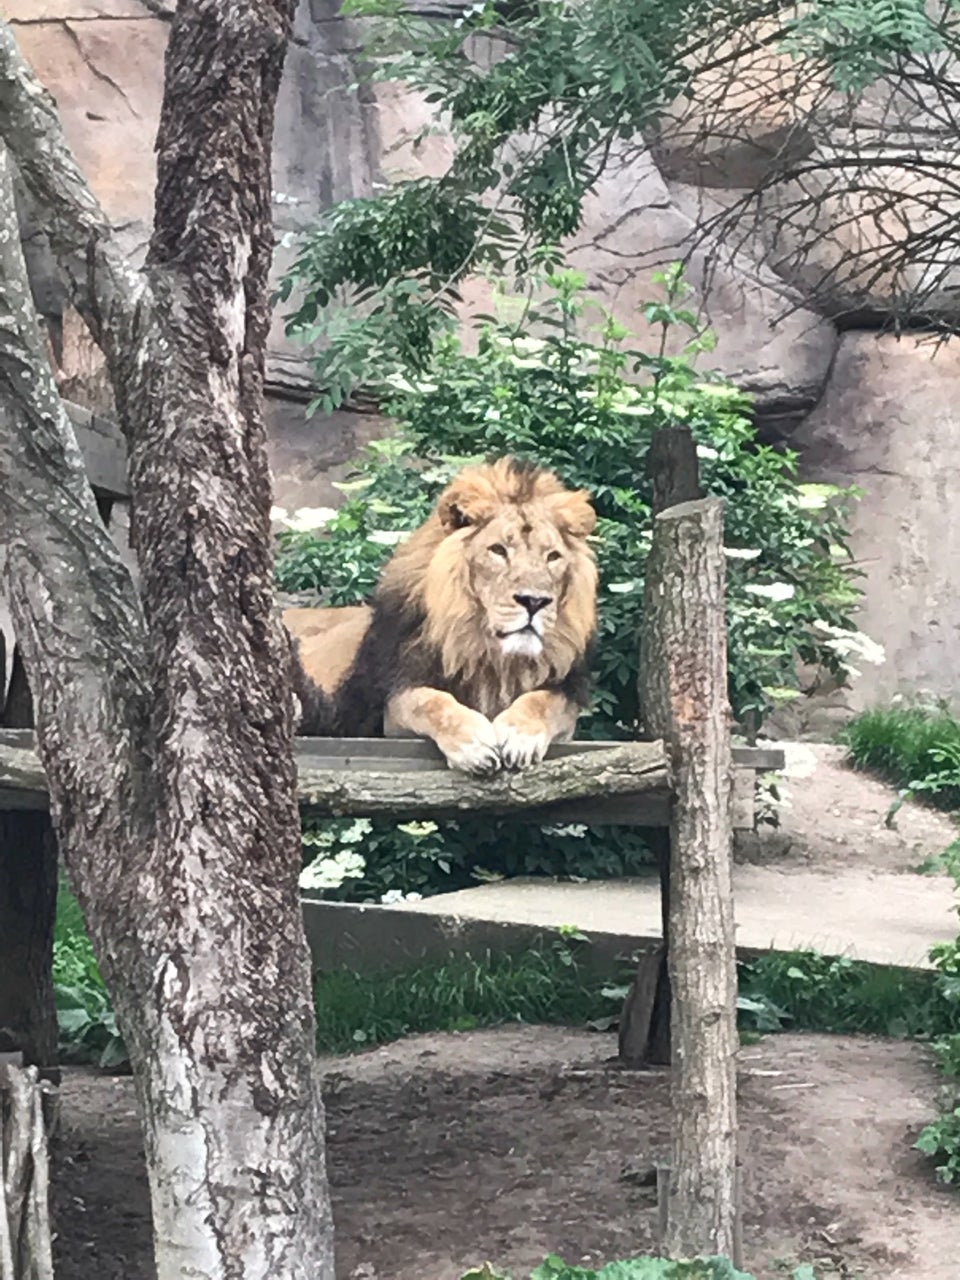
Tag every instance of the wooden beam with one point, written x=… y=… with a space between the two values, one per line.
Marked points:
x=631 y=777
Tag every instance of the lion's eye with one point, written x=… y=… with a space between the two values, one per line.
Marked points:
x=498 y=549
x=553 y=555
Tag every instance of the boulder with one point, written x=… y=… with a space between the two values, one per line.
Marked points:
x=889 y=422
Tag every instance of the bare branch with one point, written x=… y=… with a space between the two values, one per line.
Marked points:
x=103 y=288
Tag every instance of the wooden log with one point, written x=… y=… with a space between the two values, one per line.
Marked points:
x=25 y=1238
x=632 y=770
x=635 y=769
x=674 y=473
x=686 y=645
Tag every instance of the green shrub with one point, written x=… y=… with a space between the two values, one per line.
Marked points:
x=85 y=1018
x=570 y=404
x=377 y=860
x=812 y=992
x=915 y=748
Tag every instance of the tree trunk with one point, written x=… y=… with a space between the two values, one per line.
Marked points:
x=685 y=649
x=166 y=731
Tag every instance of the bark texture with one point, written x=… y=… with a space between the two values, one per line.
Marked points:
x=685 y=652
x=164 y=722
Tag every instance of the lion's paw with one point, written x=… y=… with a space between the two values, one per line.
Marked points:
x=520 y=749
x=477 y=751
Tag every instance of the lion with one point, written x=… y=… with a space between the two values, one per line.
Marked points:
x=478 y=635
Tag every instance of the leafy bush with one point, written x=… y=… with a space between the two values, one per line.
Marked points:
x=569 y=404
x=811 y=992
x=85 y=1017
x=915 y=748
x=376 y=860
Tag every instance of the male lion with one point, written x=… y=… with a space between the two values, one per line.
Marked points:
x=479 y=631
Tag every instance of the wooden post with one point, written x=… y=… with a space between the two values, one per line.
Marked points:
x=25 y=1239
x=644 y=1032
x=686 y=671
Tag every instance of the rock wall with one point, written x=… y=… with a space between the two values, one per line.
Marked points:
x=858 y=406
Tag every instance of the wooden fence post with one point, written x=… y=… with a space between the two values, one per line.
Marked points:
x=686 y=663
x=28 y=905
x=644 y=1031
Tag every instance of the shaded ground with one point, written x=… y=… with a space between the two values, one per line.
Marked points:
x=447 y=1150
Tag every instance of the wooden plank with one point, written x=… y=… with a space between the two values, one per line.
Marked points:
x=104 y=451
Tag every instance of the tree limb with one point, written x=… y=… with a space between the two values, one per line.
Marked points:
x=75 y=610
x=103 y=288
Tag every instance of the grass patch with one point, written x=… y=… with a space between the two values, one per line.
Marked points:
x=544 y=986
x=917 y=749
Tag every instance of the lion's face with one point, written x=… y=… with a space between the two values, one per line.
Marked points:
x=519 y=569
x=504 y=573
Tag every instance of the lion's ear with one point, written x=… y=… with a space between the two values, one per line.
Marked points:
x=573 y=513
x=469 y=500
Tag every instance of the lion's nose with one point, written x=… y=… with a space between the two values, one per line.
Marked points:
x=532 y=604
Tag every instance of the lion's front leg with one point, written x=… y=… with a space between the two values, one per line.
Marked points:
x=529 y=725
x=467 y=738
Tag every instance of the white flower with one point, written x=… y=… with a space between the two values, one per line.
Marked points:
x=330 y=872
x=812 y=497
x=304 y=519
x=846 y=644
x=705 y=451
x=393 y=896
x=741 y=553
x=773 y=591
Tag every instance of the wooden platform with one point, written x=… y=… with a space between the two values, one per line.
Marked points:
x=609 y=783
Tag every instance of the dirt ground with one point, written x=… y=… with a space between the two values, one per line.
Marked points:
x=834 y=820
x=448 y=1150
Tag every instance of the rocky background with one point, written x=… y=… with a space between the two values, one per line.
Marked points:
x=861 y=406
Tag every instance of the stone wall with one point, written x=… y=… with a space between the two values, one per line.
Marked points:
x=858 y=406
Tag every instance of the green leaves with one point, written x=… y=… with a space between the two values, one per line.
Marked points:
x=860 y=40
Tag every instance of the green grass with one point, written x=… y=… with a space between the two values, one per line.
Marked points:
x=537 y=986
x=915 y=748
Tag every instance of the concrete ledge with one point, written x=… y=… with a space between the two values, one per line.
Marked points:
x=370 y=938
